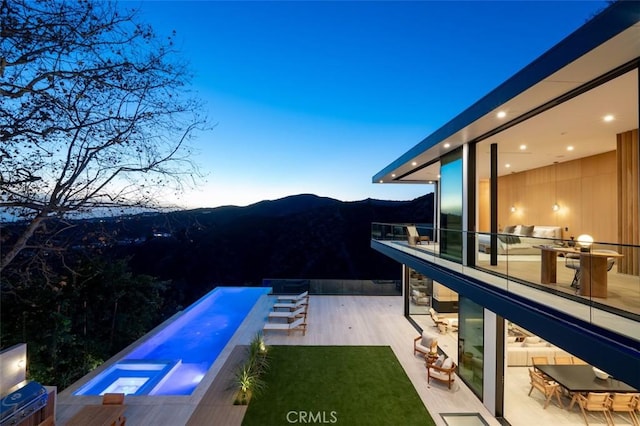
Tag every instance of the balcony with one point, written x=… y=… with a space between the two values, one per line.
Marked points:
x=544 y=273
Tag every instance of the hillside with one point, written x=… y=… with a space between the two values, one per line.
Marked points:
x=302 y=236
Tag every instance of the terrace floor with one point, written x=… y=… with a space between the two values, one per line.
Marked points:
x=332 y=320
x=335 y=320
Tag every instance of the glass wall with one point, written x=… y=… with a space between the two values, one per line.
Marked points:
x=420 y=292
x=451 y=206
x=471 y=344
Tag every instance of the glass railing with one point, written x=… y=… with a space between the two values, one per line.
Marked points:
x=334 y=286
x=599 y=283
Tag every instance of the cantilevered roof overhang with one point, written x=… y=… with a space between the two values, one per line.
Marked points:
x=607 y=44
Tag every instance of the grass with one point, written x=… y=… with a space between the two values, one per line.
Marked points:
x=343 y=385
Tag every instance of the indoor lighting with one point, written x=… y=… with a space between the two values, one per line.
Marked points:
x=607 y=118
x=501 y=114
x=393 y=175
x=21 y=363
x=555 y=207
x=570 y=148
x=447 y=145
x=507 y=165
x=513 y=209
x=381 y=181
x=585 y=241
x=523 y=147
x=413 y=163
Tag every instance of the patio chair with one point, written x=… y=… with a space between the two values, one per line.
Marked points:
x=292 y=306
x=444 y=373
x=293 y=297
x=594 y=401
x=426 y=344
x=289 y=315
x=548 y=389
x=297 y=325
x=414 y=238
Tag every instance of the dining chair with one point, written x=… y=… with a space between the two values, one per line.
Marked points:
x=593 y=402
x=562 y=360
x=540 y=360
x=548 y=389
x=624 y=403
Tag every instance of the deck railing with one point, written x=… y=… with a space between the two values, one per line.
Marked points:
x=541 y=268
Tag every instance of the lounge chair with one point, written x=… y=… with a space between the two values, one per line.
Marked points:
x=291 y=306
x=293 y=297
x=297 y=325
x=414 y=238
x=289 y=315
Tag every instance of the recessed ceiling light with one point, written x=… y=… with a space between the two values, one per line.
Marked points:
x=607 y=118
x=381 y=181
x=501 y=114
x=413 y=163
x=438 y=176
x=393 y=175
x=523 y=147
x=507 y=165
x=447 y=145
x=570 y=148
x=430 y=182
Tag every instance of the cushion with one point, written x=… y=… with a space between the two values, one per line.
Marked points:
x=526 y=230
x=509 y=229
x=427 y=338
x=532 y=339
x=447 y=363
x=439 y=361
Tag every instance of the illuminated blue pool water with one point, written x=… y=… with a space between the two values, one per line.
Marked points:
x=176 y=358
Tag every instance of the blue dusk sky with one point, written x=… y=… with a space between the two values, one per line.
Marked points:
x=317 y=97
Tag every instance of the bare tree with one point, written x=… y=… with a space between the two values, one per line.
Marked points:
x=95 y=112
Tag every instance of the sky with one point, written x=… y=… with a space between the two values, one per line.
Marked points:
x=317 y=97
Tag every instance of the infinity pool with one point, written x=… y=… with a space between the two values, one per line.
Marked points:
x=176 y=358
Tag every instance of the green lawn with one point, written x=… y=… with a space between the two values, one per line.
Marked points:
x=343 y=385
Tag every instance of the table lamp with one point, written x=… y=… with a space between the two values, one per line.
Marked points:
x=585 y=241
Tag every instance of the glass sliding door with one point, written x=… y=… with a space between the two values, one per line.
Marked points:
x=471 y=344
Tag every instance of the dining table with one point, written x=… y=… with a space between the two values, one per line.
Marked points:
x=580 y=379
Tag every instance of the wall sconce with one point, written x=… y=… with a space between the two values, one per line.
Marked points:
x=585 y=241
x=555 y=207
x=21 y=363
x=513 y=209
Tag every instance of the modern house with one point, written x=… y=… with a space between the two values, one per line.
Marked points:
x=535 y=242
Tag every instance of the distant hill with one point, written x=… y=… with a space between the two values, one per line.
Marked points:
x=301 y=236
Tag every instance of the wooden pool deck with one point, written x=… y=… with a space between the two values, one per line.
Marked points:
x=332 y=320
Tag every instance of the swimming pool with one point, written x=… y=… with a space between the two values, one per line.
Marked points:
x=175 y=359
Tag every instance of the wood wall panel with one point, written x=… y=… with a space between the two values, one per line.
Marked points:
x=628 y=200
x=582 y=188
x=484 y=208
